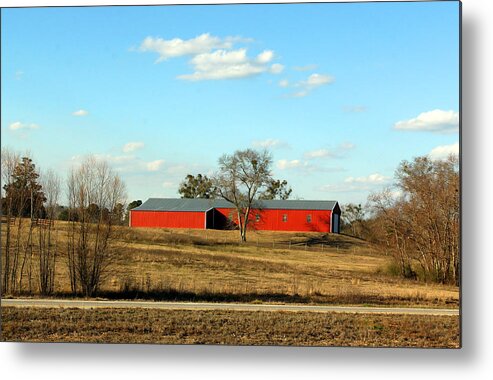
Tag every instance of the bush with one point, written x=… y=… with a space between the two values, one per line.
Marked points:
x=394 y=269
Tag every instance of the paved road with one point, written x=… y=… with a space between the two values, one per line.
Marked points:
x=27 y=302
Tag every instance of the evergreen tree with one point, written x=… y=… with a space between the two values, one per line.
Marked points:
x=24 y=190
x=199 y=186
x=277 y=189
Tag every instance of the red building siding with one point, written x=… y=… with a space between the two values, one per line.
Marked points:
x=167 y=219
x=292 y=220
x=269 y=219
x=295 y=220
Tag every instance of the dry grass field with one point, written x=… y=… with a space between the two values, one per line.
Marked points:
x=228 y=327
x=210 y=265
x=194 y=265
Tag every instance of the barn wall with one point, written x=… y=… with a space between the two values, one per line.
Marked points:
x=272 y=220
x=167 y=219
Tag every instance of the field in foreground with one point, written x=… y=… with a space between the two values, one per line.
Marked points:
x=198 y=265
x=227 y=327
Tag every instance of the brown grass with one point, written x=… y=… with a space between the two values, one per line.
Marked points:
x=227 y=327
x=272 y=266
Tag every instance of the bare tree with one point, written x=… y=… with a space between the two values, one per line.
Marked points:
x=241 y=179
x=422 y=224
x=391 y=229
x=47 y=234
x=90 y=253
x=9 y=161
x=353 y=217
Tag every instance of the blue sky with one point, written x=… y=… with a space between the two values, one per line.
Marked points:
x=339 y=93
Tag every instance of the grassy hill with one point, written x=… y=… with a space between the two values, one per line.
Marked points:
x=177 y=264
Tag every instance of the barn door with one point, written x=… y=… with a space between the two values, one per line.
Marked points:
x=335 y=223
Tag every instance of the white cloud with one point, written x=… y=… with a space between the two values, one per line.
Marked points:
x=132 y=146
x=319 y=153
x=305 y=68
x=269 y=144
x=154 y=166
x=305 y=166
x=276 y=68
x=213 y=58
x=438 y=121
x=223 y=64
x=316 y=80
x=80 y=113
x=284 y=83
x=443 y=151
x=312 y=82
x=375 y=178
x=337 y=152
x=358 y=184
x=114 y=159
x=19 y=74
x=265 y=57
x=177 y=47
x=18 y=126
x=290 y=164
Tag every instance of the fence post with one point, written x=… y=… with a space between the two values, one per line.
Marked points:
x=322 y=247
x=306 y=245
x=272 y=244
x=290 y=245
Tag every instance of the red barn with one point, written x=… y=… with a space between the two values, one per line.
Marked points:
x=268 y=215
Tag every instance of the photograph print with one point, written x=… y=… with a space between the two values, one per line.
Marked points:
x=243 y=174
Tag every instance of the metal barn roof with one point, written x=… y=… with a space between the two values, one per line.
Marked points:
x=198 y=204
x=182 y=204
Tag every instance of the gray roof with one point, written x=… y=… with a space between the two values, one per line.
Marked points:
x=298 y=204
x=197 y=204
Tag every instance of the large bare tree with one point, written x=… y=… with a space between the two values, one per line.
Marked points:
x=241 y=179
x=89 y=252
x=47 y=234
